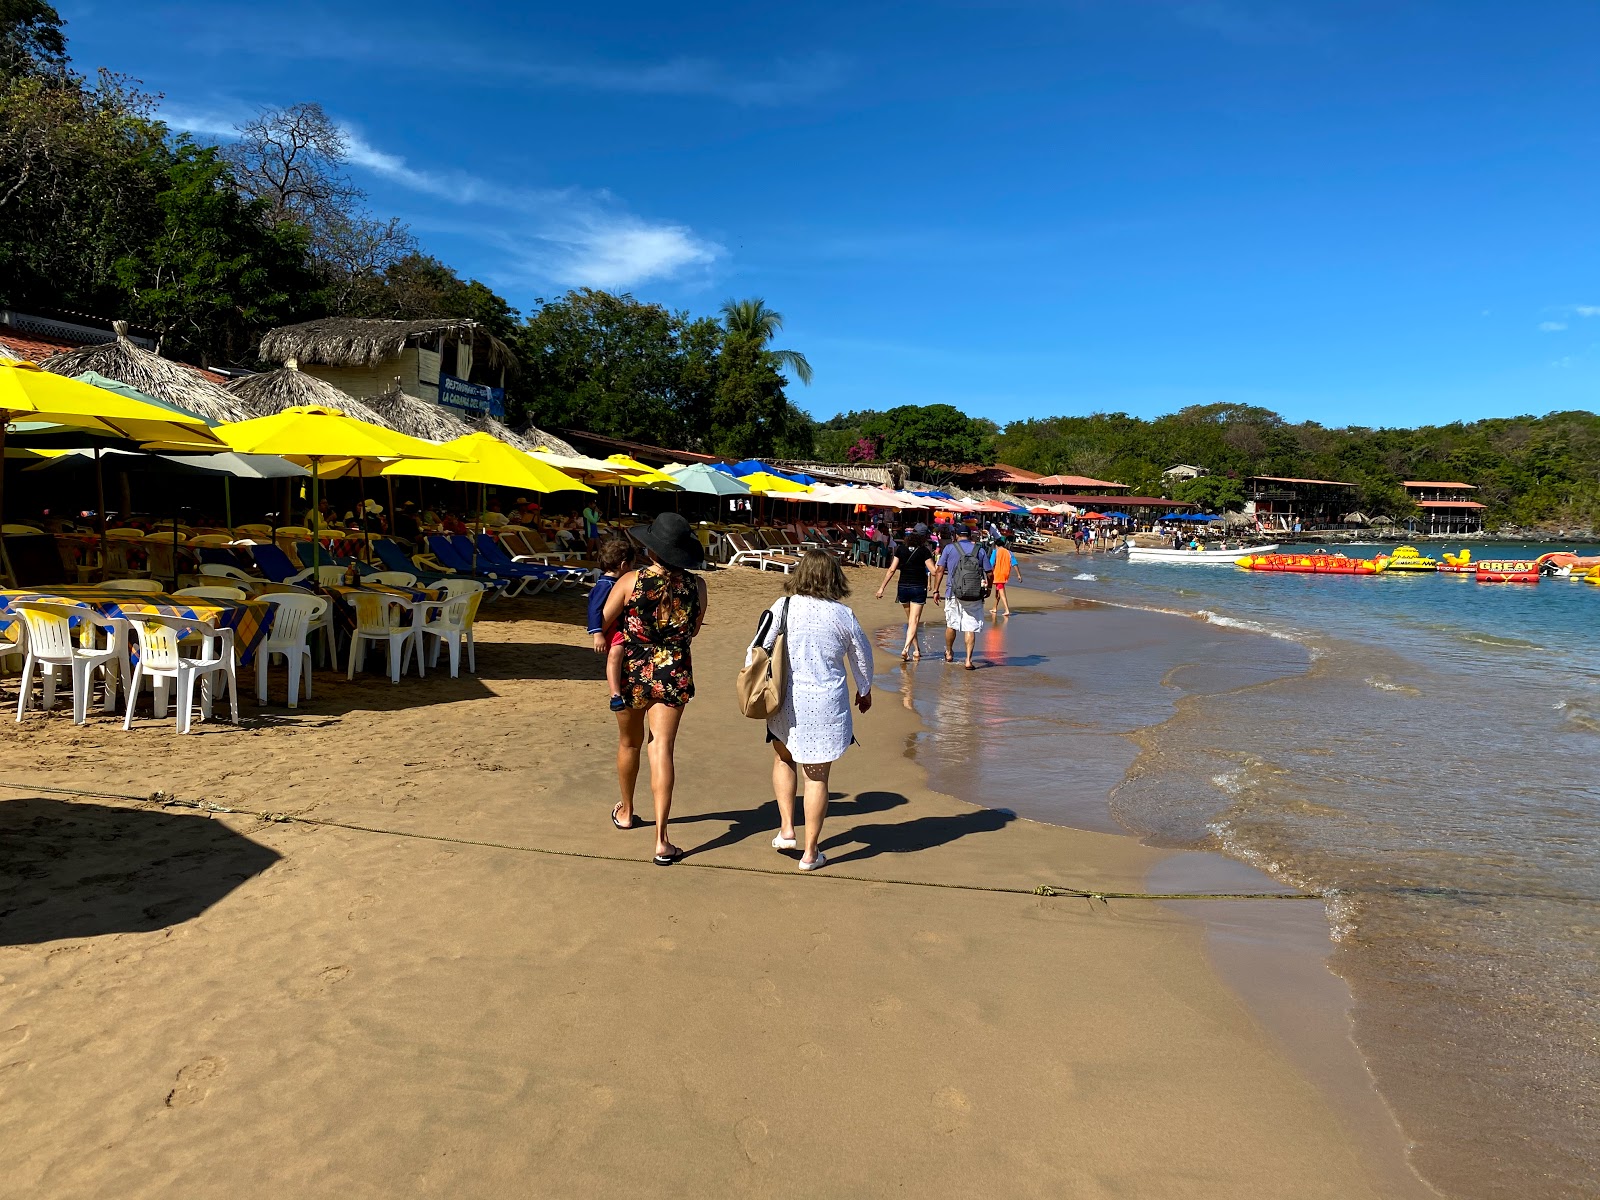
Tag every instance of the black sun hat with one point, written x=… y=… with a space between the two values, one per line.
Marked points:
x=672 y=540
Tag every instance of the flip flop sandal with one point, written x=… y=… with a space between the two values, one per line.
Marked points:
x=821 y=860
x=666 y=860
x=615 y=809
x=970 y=667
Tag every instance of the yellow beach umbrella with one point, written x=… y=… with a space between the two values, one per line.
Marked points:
x=30 y=394
x=636 y=474
x=485 y=459
x=764 y=481
x=310 y=435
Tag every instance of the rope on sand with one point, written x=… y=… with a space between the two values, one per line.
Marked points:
x=168 y=800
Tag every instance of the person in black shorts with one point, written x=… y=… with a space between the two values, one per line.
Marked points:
x=911 y=558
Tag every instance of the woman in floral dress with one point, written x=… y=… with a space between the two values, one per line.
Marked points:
x=660 y=608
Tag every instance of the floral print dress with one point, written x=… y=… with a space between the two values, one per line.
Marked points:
x=658 y=623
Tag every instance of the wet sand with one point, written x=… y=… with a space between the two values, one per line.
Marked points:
x=429 y=1005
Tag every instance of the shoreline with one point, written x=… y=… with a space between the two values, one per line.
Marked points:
x=1275 y=957
x=445 y=1017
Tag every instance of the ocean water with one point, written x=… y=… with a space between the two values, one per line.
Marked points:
x=1425 y=749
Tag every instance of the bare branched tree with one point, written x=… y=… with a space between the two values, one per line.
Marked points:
x=294 y=159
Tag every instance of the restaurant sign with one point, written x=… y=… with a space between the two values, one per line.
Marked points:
x=476 y=399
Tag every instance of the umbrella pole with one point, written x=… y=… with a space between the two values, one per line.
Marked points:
x=100 y=509
x=315 y=515
x=175 y=583
x=5 y=555
x=361 y=491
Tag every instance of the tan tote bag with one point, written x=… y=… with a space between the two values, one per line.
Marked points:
x=760 y=684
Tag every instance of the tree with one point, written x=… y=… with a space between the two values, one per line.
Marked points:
x=292 y=160
x=930 y=435
x=754 y=321
x=615 y=366
x=214 y=272
x=750 y=416
x=31 y=41
x=80 y=166
x=1214 y=493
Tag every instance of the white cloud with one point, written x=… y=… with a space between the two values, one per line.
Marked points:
x=782 y=82
x=1552 y=326
x=1587 y=310
x=568 y=236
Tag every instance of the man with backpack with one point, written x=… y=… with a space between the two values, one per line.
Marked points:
x=962 y=564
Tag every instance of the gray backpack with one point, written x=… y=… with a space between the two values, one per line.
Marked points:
x=967 y=581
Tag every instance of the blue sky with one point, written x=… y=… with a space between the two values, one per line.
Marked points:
x=1361 y=212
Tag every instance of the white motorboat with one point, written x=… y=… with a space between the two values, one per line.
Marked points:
x=1215 y=558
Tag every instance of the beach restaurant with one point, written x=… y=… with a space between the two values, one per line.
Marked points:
x=1447 y=508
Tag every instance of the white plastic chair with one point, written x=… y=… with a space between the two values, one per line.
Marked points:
x=208 y=592
x=329 y=575
x=144 y=587
x=392 y=578
x=52 y=647
x=379 y=618
x=289 y=635
x=159 y=661
x=224 y=571
x=450 y=623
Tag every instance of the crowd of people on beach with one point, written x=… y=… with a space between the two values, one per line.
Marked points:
x=644 y=616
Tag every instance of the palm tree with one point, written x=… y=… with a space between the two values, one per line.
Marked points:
x=754 y=320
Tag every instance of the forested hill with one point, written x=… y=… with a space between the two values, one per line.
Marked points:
x=1530 y=470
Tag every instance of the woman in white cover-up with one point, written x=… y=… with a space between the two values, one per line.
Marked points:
x=826 y=646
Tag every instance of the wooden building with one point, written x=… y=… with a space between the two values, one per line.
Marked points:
x=1447 y=508
x=455 y=362
x=1283 y=503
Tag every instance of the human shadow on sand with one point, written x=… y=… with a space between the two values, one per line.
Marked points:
x=763 y=819
x=73 y=870
x=907 y=837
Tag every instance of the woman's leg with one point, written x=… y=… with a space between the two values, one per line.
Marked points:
x=663 y=721
x=915 y=612
x=783 y=786
x=905 y=649
x=816 y=806
x=630 y=737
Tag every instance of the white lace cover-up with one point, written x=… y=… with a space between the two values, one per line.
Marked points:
x=823 y=635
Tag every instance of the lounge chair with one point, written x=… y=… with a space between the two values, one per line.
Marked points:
x=494 y=553
x=444 y=552
x=762 y=559
x=278 y=566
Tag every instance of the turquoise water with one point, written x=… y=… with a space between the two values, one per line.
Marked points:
x=1424 y=747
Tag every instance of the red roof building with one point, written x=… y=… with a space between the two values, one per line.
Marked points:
x=1446 y=507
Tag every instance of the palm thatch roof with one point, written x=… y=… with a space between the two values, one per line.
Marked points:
x=273 y=391
x=537 y=439
x=417 y=418
x=151 y=374
x=364 y=342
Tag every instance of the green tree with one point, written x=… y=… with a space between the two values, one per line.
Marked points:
x=930 y=435
x=1214 y=493
x=31 y=41
x=758 y=324
x=214 y=272
x=616 y=366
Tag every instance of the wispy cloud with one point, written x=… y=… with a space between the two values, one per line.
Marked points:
x=570 y=236
x=1586 y=310
x=777 y=81
x=784 y=81
x=1552 y=326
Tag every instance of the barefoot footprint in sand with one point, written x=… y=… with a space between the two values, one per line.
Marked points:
x=194 y=1082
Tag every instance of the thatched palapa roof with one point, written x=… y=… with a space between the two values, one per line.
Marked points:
x=424 y=419
x=151 y=374
x=417 y=418
x=364 y=342
x=273 y=391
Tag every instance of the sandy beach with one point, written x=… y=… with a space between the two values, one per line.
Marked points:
x=470 y=984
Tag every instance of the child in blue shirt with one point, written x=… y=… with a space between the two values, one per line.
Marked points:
x=616 y=556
